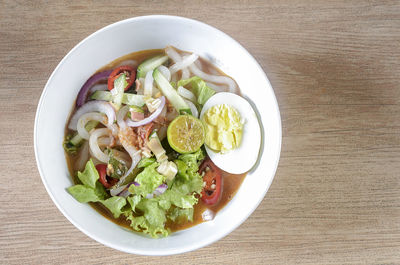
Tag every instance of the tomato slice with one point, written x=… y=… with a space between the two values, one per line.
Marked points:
x=212 y=177
x=107 y=183
x=129 y=72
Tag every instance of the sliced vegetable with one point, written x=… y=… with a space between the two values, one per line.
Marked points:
x=136 y=113
x=118 y=91
x=83 y=93
x=212 y=190
x=145 y=162
x=148 y=84
x=170 y=93
x=168 y=169
x=73 y=142
x=93 y=106
x=127 y=71
x=150 y=118
x=150 y=64
x=127 y=98
x=199 y=88
x=153 y=104
x=155 y=146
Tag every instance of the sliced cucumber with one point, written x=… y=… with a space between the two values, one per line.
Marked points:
x=170 y=93
x=127 y=98
x=150 y=64
x=72 y=143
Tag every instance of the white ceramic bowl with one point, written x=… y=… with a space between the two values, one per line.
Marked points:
x=142 y=33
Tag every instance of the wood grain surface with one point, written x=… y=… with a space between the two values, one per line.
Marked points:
x=335 y=69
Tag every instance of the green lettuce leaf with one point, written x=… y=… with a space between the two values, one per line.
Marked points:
x=140 y=223
x=181 y=215
x=189 y=180
x=90 y=175
x=133 y=201
x=199 y=88
x=145 y=162
x=115 y=204
x=154 y=214
x=149 y=179
x=83 y=193
x=175 y=197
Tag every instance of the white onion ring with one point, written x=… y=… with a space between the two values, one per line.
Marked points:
x=148 y=83
x=187 y=94
x=184 y=63
x=149 y=119
x=85 y=118
x=121 y=116
x=193 y=108
x=92 y=106
x=94 y=146
x=97 y=87
x=165 y=72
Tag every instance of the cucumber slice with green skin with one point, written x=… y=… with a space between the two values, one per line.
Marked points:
x=127 y=98
x=150 y=64
x=170 y=93
x=73 y=144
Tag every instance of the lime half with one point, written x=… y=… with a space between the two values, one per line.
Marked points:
x=186 y=134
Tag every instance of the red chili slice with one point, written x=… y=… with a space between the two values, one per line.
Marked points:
x=129 y=72
x=107 y=182
x=212 y=176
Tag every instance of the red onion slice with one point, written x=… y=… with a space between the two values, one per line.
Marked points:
x=93 y=106
x=158 y=191
x=83 y=93
x=149 y=119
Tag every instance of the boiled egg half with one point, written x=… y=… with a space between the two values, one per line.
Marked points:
x=238 y=150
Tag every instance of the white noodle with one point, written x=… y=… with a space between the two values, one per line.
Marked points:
x=184 y=63
x=85 y=118
x=94 y=146
x=165 y=72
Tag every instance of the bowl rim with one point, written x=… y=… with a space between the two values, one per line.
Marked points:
x=155 y=252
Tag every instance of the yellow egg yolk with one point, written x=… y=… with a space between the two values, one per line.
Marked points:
x=223 y=128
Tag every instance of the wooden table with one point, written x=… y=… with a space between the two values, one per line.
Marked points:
x=335 y=69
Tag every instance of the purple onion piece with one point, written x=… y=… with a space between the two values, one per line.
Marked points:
x=83 y=93
x=125 y=192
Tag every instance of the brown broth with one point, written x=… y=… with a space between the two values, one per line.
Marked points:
x=231 y=182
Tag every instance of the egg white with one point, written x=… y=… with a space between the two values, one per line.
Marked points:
x=243 y=158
